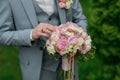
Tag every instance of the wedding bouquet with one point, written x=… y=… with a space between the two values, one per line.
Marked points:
x=66 y=41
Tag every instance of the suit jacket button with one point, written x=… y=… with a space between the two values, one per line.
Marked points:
x=41 y=48
x=49 y=18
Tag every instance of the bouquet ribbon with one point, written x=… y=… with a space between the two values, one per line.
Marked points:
x=68 y=67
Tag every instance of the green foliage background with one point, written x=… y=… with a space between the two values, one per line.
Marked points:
x=104 y=27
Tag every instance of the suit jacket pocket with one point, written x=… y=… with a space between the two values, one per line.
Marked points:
x=24 y=59
x=24 y=63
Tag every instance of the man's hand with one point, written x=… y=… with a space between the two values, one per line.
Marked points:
x=42 y=30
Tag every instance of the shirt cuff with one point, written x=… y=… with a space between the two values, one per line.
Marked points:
x=31 y=38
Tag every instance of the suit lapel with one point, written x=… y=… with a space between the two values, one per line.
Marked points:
x=62 y=13
x=29 y=8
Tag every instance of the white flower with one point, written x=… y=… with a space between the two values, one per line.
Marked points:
x=80 y=41
x=88 y=41
x=51 y=49
x=80 y=30
x=69 y=3
x=69 y=34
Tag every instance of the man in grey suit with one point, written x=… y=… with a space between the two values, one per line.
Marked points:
x=27 y=24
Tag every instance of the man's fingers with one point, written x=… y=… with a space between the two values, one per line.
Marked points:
x=46 y=31
x=51 y=28
x=43 y=30
x=43 y=34
x=47 y=26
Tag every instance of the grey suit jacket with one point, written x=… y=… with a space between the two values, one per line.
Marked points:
x=17 y=19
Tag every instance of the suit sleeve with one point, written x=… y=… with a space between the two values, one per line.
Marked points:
x=77 y=14
x=8 y=35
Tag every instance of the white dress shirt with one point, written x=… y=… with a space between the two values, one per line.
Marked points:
x=46 y=5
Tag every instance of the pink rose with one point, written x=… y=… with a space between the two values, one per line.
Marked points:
x=73 y=40
x=61 y=46
x=70 y=30
x=63 y=37
x=88 y=47
x=62 y=5
x=84 y=35
x=85 y=48
x=56 y=35
x=70 y=24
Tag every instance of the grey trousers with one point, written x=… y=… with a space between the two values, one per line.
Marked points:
x=50 y=75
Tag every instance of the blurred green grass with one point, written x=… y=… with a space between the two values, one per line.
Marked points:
x=9 y=65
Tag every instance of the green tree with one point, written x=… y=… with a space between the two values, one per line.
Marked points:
x=104 y=27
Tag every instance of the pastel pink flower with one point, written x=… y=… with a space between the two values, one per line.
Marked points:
x=63 y=37
x=73 y=40
x=88 y=47
x=85 y=48
x=61 y=46
x=62 y=4
x=56 y=35
x=70 y=24
x=70 y=30
x=84 y=35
